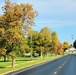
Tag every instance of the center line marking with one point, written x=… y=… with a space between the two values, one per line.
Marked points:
x=55 y=72
x=60 y=67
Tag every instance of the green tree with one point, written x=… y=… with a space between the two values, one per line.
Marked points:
x=31 y=42
x=74 y=44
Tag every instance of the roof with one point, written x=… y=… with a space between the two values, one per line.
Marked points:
x=72 y=48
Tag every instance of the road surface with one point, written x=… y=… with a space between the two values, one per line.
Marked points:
x=63 y=66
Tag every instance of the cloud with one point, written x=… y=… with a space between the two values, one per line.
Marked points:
x=50 y=5
x=55 y=23
x=53 y=12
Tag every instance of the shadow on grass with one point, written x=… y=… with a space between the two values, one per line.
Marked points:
x=26 y=60
x=5 y=61
x=19 y=60
x=2 y=67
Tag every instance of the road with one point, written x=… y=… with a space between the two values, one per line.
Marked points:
x=63 y=66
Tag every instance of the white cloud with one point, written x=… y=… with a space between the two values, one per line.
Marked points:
x=56 y=12
x=55 y=23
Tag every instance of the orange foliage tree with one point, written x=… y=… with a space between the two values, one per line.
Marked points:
x=15 y=18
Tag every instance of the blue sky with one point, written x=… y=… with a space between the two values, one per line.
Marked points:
x=58 y=15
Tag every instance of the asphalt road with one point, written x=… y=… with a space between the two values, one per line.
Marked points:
x=63 y=66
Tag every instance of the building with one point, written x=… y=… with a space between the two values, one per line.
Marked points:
x=71 y=50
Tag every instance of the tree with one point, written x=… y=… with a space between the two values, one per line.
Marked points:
x=15 y=18
x=54 y=43
x=35 y=42
x=45 y=40
x=65 y=45
x=31 y=42
x=60 y=48
x=74 y=44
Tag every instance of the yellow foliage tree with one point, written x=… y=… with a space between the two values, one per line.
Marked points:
x=54 y=42
x=15 y=18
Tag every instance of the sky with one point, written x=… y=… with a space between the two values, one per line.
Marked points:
x=57 y=15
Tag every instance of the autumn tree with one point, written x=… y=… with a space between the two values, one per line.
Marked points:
x=60 y=48
x=65 y=45
x=45 y=40
x=15 y=18
x=54 y=43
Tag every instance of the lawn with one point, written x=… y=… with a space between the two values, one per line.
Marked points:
x=22 y=62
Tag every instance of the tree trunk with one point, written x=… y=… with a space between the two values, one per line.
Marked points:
x=44 y=56
x=13 y=61
x=5 y=58
x=55 y=53
x=47 y=54
x=31 y=47
x=31 y=55
x=41 y=54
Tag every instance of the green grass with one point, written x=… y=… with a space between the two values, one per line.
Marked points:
x=21 y=62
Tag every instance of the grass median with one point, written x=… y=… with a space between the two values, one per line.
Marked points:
x=22 y=62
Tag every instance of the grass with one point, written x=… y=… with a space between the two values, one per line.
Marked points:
x=21 y=62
